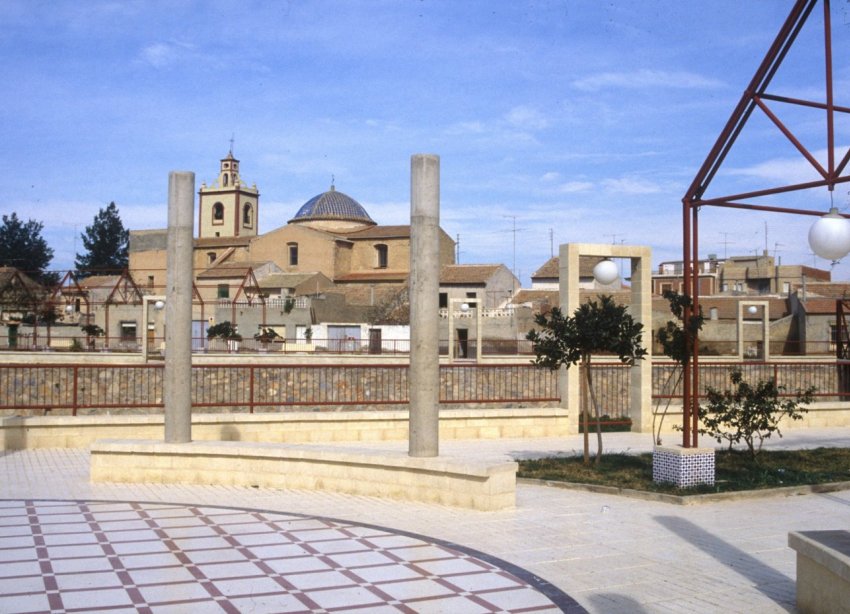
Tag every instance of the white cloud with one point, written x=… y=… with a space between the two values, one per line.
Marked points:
x=550 y=176
x=162 y=54
x=461 y=128
x=572 y=187
x=526 y=118
x=787 y=170
x=645 y=78
x=631 y=185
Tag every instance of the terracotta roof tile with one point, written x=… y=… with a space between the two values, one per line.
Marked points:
x=229 y=270
x=381 y=232
x=375 y=276
x=467 y=273
x=821 y=306
x=551 y=268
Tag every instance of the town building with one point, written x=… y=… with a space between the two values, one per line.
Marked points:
x=755 y=274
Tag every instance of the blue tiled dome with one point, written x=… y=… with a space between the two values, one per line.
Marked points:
x=332 y=205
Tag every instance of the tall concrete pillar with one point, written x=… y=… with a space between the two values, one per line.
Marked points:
x=424 y=305
x=178 y=308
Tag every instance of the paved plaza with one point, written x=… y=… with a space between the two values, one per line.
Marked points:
x=67 y=545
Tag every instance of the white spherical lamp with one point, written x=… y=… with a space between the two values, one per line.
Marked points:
x=69 y=309
x=159 y=305
x=829 y=237
x=464 y=307
x=605 y=272
x=752 y=309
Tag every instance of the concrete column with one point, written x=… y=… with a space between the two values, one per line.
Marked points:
x=424 y=305
x=641 y=310
x=568 y=280
x=178 y=308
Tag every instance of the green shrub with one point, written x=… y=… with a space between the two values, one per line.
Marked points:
x=751 y=414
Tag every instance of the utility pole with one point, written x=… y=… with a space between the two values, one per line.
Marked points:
x=551 y=243
x=513 y=217
x=457 y=249
x=726 y=242
x=766 y=250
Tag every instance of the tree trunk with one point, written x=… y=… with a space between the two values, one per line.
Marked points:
x=656 y=434
x=585 y=413
x=596 y=411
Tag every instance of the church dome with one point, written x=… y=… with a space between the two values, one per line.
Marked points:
x=333 y=206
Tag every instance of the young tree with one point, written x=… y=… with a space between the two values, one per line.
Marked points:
x=603 y=327
x=23 y=247
x=674 y=343
x=750 y=413
x=391 y=308
x=106 y=242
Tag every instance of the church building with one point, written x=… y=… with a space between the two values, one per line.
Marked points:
x=330 y=244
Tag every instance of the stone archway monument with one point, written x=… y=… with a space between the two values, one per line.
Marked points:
x=640 y=257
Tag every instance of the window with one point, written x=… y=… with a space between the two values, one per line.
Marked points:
x=472 y=295
x=218 y=213
x=223 y=291
x=444 y=300
x=713 y=313
x=246 y=215
x=150 y=281
x=666 y=286
x=210 y=257
x=225 y=179
x=293 y=254
x=128 y=331
x=382 y=253
x=786 y=287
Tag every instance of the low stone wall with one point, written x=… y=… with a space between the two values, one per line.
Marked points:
x=820 y=415
x=823 y=570
x=478 y=485
x=18 y=432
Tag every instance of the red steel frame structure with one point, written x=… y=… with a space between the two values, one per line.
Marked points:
x=754 y=97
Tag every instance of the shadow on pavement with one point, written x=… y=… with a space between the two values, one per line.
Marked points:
x=765 y=578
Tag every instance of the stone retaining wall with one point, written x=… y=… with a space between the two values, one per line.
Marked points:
x=17 y=433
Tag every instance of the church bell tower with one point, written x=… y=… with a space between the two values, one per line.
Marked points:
x=228 y=208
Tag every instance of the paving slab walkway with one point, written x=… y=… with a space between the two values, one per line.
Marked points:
x=608 y=553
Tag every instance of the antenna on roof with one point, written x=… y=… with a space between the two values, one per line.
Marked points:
x=232 y=138
x=333 y=181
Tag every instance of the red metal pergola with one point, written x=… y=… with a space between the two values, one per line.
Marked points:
x=755 y=97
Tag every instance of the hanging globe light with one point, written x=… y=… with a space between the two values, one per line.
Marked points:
x=605 y=272
x=829 y=237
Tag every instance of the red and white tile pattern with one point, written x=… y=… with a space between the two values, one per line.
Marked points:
x=79 y=556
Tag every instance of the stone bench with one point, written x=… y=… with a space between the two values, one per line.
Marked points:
x=823 y=570
x=460 y=482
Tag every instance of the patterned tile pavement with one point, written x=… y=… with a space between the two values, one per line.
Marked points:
x=611 y=554
x=100 y=556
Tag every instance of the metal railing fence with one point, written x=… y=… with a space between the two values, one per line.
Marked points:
x=45 y=387
x=246 y=387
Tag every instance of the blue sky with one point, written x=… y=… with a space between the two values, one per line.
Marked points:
x=569 y=121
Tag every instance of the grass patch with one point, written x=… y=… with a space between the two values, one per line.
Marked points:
x=735 y=470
